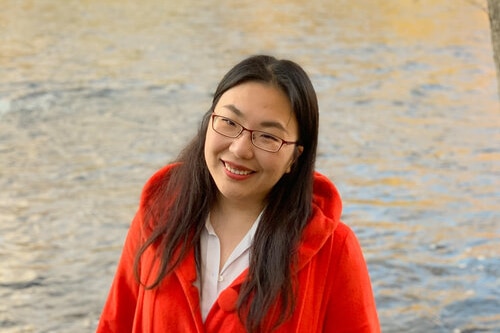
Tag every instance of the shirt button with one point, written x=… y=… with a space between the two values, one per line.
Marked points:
x=221 y=278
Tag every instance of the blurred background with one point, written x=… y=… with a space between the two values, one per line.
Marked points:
x=95 y=95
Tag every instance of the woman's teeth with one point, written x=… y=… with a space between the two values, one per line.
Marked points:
x=236 y=171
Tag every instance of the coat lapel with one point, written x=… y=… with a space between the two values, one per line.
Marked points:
x=186 y=274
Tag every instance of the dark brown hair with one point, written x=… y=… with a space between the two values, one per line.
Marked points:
x=178 y=208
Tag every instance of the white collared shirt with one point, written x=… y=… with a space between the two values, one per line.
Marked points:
x=213 y=281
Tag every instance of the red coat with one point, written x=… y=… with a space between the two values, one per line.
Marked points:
x=334 y=293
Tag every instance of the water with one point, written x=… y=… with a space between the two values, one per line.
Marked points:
x=96 y=95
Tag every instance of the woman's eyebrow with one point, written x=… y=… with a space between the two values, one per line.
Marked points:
x=238 y=112
x=235 y=110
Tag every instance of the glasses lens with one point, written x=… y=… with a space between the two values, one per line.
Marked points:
x=226 y=126
x=266 y=141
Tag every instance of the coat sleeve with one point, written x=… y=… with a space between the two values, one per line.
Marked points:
x=119 y=310
x=351 y=306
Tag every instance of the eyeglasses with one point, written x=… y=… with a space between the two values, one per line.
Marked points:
x=262 y=140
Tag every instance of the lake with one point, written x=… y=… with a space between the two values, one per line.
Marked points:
x=97 y=95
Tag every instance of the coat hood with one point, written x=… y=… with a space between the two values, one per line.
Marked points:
x=326 y=212
x=327 y=198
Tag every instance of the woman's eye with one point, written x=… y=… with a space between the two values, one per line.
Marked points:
x=268 y=137
x=229 y=122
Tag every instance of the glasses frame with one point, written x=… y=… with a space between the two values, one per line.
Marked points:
x=243 y=128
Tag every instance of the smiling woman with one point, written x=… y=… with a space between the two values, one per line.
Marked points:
x=262 y=106
x=241 y=234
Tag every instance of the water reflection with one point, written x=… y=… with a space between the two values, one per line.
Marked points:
x=95 y=95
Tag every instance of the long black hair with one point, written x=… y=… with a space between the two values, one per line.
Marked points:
x=178 y=207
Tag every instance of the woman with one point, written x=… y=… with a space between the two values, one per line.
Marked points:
x=240 y=234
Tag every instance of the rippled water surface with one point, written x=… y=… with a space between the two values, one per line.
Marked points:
x=96 y=95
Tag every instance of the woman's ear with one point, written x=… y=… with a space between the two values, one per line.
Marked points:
x=296 y=154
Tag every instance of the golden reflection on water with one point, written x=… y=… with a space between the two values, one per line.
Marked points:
x=111 y=36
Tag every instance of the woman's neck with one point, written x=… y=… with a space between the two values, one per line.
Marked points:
x=234 y=215
x=231 y=222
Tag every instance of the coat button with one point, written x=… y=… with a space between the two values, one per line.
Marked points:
x=227 y=300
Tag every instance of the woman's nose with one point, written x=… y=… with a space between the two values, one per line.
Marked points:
x=242 y=146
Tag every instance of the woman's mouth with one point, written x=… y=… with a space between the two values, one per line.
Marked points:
x=235 y=170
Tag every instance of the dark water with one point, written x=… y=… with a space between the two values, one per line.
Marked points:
x=96 y=95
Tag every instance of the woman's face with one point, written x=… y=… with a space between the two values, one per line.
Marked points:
x=242 y=172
